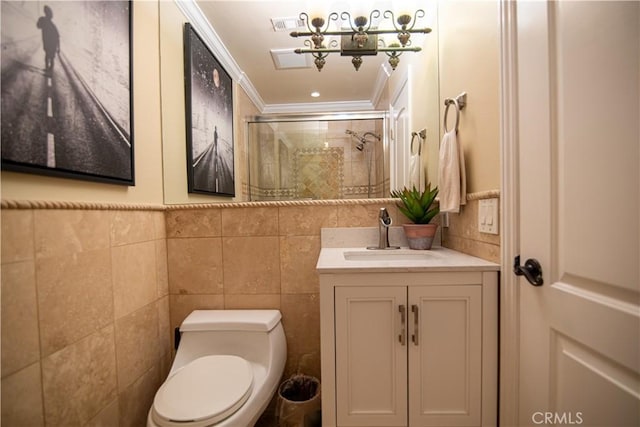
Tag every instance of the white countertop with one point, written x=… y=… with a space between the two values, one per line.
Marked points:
x=344 y=250
x=333 y=260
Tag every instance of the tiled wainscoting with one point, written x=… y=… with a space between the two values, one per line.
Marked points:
x=85 y=316
x=91 y=295
x=462 y=234
x=249 y=256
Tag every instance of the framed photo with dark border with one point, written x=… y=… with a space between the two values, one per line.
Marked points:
x=66 y=89
x=209 y=119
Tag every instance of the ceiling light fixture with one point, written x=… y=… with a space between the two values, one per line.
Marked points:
x=361 y=39
x=315 y=94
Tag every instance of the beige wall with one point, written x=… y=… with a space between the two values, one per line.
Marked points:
x=425 y=92
x=463 y=50
x=421 y=72
x=461 y=54
x=470 y=62
x=146 y=138
x=158 y=123
x=173 y=117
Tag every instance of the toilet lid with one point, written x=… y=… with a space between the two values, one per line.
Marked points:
x=209 y=388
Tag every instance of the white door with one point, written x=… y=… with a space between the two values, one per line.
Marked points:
x=578 y=103
x=400 y=137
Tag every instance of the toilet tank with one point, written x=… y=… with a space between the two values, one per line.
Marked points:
x=255 y=335
x=231 y=320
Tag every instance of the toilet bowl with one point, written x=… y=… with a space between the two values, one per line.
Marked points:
x=226 y=370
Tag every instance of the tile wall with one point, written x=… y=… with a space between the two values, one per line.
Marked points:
x=315 y=163
x=462 y=234
x=257 y=257
x=85 y=316
x=90 y=297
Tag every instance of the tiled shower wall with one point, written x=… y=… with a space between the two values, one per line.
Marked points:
x=90 y=297
x=316 y=164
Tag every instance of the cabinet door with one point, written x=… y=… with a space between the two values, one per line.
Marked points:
x=371 y=356
x=445 y=348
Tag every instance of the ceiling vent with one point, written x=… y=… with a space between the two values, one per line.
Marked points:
x=287 y=24
x=284 y=59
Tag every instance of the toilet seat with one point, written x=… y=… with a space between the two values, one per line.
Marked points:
x=205 y=391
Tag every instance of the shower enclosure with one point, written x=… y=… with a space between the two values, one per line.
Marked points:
x=340 y=156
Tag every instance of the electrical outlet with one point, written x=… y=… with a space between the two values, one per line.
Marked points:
x=488 y=216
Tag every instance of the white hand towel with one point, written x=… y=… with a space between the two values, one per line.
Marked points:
x=416 y=170
x=452 y=179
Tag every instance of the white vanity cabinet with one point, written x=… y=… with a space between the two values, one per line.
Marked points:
x=409 y=348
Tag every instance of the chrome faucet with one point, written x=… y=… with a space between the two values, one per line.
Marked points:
x=384 y=222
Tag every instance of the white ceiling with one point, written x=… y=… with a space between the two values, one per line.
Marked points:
x=246 y=31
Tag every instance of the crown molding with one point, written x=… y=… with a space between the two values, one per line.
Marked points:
x=384 y=73
x=195 y=16
x=318 y=107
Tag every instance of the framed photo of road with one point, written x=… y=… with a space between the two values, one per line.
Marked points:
x=66 y=89
x=209 y=119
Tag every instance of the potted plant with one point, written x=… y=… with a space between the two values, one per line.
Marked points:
x=417 y=207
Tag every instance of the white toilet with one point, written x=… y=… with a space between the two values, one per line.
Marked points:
x=226 y=370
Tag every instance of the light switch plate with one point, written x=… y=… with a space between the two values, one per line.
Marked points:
x=488 y=216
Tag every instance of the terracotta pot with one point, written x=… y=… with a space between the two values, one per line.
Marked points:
x=420 y=236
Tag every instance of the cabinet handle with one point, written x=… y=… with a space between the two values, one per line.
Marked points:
x=416 y=319
x=403 y=328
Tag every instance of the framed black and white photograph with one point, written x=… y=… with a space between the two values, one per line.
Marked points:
x=209 y=119
x=66 y=89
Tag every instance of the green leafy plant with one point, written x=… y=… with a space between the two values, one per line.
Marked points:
x=417 y=205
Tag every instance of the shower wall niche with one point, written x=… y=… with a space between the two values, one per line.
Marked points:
x=306 y=158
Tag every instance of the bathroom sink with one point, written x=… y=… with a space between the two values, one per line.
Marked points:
x=386 y=255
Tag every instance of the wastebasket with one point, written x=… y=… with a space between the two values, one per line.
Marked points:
x=299 y=402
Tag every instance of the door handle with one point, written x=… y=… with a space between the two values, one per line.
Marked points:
x=403 y=324
x=416 y=320
x=531 y=270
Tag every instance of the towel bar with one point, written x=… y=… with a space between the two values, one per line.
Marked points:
x=459 y=102
x=422 y=136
